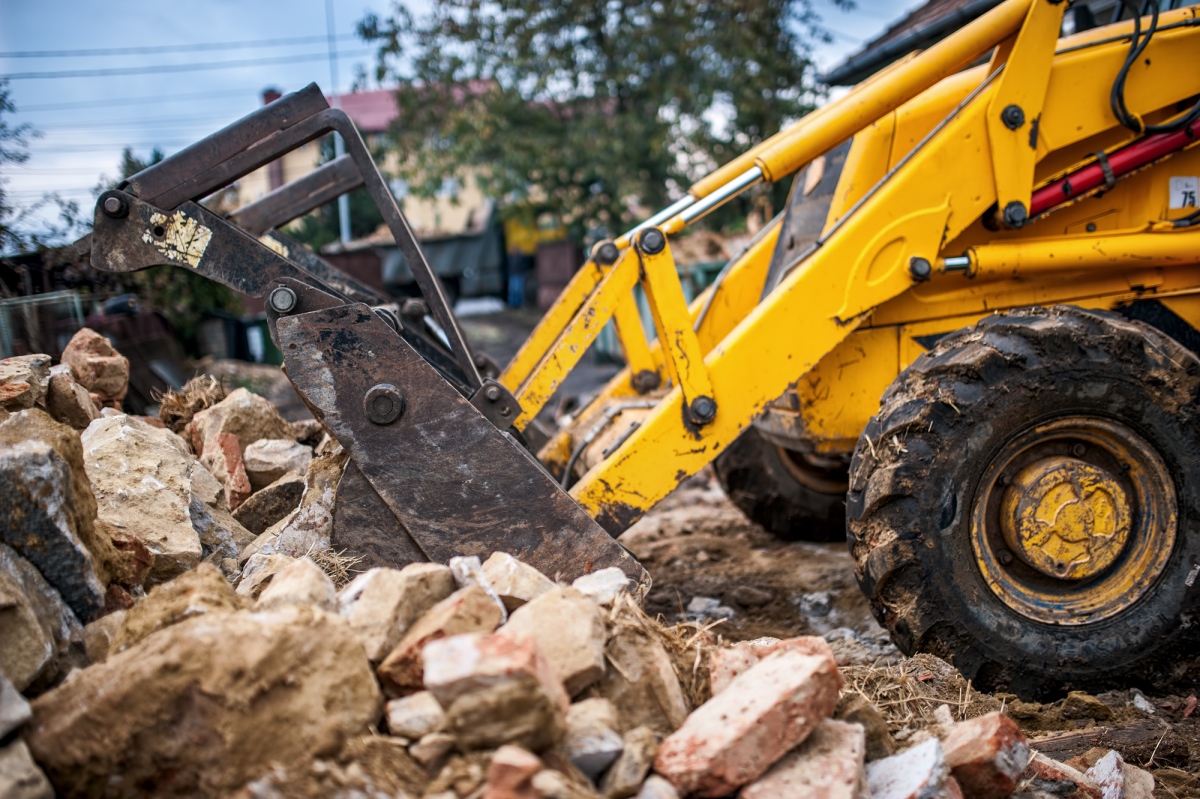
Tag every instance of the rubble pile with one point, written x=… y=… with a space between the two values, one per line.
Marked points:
x=173 y=622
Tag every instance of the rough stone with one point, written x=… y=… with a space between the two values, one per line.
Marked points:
x=14 y=710
x=68 y=402
x=98 y=635
x=1043 y=768
x=1109 y=774
x=916 y=773
x=269 y=459
x=510 y=774
x=258 y=572
x=133 y=560
x=202 y=706
x=551 y=784
x=828 y=765
x=42 y=638
x=270 y=504
x=656 y=787
x=201 y=591
x=432 y=748
x=310 y=526
x=642 y=682
x=857 y=709
x=97 y=366
x=1139 y=784
x=625 y=776
x=23 y=381
x=20 y=777
x=568 y=629
x=246 y=416
x=468 y=610
x=603 y=586
x=148 y=486
x=496 y=690
x=737 y=735
x=727 y=663
x=223 y=460
x=301 y=582
x=415 y=716
x=467 y=570
x=382 y=603
x=591 y=743
x=47 y=509
x=367 y=767
x=514 y=581
x=987 y=755
x=1082 y=705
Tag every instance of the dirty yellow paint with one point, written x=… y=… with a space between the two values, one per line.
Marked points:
x=183 y=239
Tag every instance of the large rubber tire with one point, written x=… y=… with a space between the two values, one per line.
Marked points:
x=756 y=480
x=920 y=465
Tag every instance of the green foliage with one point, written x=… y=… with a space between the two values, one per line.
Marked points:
x=587 y=108
x=179 y=294
x=322 y=226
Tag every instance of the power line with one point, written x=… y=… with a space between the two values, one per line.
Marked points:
x=161 y=68
x=170 y=48
x=162 y=98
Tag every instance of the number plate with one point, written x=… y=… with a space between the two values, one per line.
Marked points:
x=1184 y=191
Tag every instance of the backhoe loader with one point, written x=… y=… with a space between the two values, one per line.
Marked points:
x=974 y=329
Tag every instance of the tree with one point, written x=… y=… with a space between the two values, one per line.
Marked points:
x=322 y=226
x=589 y=107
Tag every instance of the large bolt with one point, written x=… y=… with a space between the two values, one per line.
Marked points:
x=1015 y=215
x=115 y=207
x=1012 y=116
x=384 y=403
x=703 y=410
x=492 y=393
x=645 y=380
x=920 y=269
x=606 y=253
x=652 y=241
x=282 y=299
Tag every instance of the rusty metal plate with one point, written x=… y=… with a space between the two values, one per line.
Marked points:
x=454 y=482
x=364 y=525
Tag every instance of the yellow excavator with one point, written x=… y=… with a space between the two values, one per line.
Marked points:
x=969 y=345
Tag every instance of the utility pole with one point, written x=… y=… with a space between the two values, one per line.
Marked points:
x=339 y=148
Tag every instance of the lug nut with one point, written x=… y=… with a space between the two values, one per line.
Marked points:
x=703 y=410
x=1015 y=215
x=283 y=299
x=384 y=403
x=652 y=241
x=1012 y=116
x=606 y=253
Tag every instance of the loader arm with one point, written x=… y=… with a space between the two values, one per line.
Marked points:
x=1029 y=102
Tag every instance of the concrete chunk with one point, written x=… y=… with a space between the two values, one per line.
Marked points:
x=496 y=690
x=727 y=663
x=592 y=742
x=24 y=381
x=987 y=755
x=603 y=586
x=301 y=582
x=916 y=773
x=268 y=459
x=733 y=738
x=515 y=582
x=642 y=682
x=468 y=610
x=415 y=716
x=382 y=603
x=828 y=765
x=569 y=630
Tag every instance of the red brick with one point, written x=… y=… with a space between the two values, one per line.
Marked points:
x=828 y=765
x=987 y=755
x=237 y=484
x=726 y=664
x=737 y=735
x=1043 y=768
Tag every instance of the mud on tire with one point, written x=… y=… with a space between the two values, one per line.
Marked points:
x=921 y=464
x=757 y=481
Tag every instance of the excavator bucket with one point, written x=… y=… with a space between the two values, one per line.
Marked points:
x=436 y=467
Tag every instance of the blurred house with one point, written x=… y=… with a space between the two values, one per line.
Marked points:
x=929 y=24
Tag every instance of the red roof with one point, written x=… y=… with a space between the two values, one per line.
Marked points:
x=373 y=111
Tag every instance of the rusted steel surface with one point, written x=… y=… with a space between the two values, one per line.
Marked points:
x=326 y=272
x=365 y=526
x=297 y=198
x=455 y=483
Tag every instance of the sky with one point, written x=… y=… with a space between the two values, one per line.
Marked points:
x=193 y=66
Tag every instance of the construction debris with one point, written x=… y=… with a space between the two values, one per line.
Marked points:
x=234 y=654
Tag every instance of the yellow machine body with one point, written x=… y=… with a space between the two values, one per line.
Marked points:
x=931 y=159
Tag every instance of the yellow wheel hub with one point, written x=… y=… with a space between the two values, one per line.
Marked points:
x=1065 y=517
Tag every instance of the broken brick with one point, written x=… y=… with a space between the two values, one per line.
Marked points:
x=987 y=755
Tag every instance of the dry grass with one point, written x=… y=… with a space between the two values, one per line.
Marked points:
x=176 y=408
x=339 y=566
x=909 y=692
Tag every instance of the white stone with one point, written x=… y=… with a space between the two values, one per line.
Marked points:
x=514 y=581
x=468 y=571
x=269 y=459
x=432 y=748
x=603 y=586
x=1109 y=773
x=655 y=787
x=415 y=716
x=301 y=582
x=916 y=773
x=592 y=742
x=258 y=572
x=569 y=630
x=382 y=603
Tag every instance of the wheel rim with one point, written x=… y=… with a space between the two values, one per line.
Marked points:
x=1074 y=520
x=823 y=475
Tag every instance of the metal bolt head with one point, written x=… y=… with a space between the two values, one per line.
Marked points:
x=492 y=393
x=388 y=318
x=383 y=403
x=645 y=380
x=606 y=253
x=414 y=308
x=1015 y=215
x=282 y=299
x=1006 y=557
x=652 y=241
x=703 y=410
x=1079 y=450
x=920 y=268
x=1012 y=116
x=115 y=207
